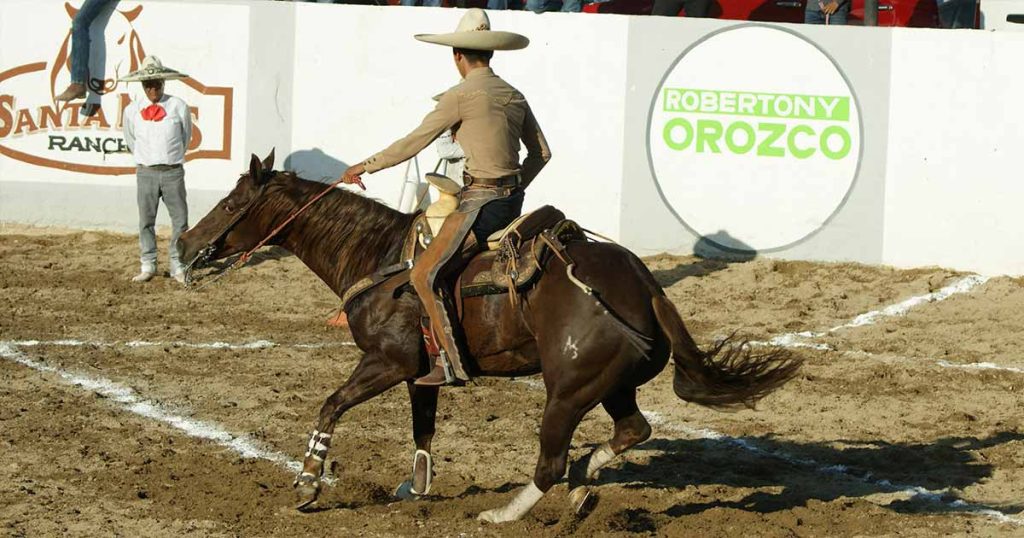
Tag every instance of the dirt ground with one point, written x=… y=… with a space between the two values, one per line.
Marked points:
x=837 y=452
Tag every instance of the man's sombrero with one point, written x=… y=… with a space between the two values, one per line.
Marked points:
x=152 y=69
x=474 y=32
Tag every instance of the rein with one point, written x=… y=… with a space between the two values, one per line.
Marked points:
x=208 y=251
x=244 y=258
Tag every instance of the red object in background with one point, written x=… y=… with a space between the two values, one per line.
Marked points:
x=916 y=13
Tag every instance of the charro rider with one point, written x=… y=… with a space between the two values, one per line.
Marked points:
x=489 y=118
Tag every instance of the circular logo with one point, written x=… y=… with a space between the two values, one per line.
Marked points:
x=754 y=138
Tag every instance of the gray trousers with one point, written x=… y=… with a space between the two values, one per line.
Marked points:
x=154 y=184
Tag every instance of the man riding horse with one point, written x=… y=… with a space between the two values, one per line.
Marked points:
x=489 y=118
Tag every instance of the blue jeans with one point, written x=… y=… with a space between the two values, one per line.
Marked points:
x=505 y=4
x=957 y=13
x=425 y=3
x=565 y=6
x=80 y=38
x=813 y=14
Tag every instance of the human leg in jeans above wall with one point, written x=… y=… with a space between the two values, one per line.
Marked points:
x=692 y=8
x=816 y=11
x=80 y=45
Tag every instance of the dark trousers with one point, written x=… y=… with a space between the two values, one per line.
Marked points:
x=496 y=215
x=670 y=8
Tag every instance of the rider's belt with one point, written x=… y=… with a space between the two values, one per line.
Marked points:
x=512 y=181
x=162 y=166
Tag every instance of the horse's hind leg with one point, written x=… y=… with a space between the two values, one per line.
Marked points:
x=631 y=428
x=561 y=416
x=424 y=412
x=373 y=375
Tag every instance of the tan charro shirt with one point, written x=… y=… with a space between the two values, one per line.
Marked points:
x=489 y=117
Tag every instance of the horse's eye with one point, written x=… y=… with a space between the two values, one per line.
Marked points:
x=228 y=208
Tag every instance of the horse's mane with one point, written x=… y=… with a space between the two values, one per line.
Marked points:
x=353 y=234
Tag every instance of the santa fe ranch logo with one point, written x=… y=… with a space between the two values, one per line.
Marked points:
x=86 y=137
x=754 y=138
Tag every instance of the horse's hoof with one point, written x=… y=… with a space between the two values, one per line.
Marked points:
x=308 y=489
x=404 y=491
x=491 y=516
x=583 y=501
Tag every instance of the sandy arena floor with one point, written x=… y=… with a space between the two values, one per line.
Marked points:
x=117 y=420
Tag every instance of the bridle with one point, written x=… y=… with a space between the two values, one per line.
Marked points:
x=208 y=252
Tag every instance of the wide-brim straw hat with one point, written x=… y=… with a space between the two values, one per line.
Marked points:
x=153 y=69
x=474 y=32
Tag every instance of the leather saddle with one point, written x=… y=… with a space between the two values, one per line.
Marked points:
x=512 y=261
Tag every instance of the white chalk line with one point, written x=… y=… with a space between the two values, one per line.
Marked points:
x=899 y=309
x=976 y=367
x=964 y=285
x=131 y=401
x=980 y=366
x=256 y=344
x=915 y=492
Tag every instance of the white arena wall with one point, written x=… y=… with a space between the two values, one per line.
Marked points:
x=917 y=168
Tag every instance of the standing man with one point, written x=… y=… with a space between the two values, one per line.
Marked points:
x=489 y=118
x=158 y=130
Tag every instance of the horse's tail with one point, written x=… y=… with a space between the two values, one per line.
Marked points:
x=727 y=376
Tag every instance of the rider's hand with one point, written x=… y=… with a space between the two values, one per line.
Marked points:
x=352 y=176
x=830 y=8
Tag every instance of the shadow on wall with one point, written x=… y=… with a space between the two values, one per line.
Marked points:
x=722 y=246
x=716 y=252
x=315 y=165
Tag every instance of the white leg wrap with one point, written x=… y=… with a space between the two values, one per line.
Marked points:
x=524 y=501
x=429 y=462
x=599 y=458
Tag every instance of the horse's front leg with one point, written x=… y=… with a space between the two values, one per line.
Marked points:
x=373 y=375
x=424 y=413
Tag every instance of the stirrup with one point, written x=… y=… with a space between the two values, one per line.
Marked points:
x=449 y=372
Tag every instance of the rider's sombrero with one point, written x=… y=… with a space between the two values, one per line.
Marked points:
x=152 y=69
x=474 y=32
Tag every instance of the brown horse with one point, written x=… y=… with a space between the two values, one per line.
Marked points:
x=555 y=329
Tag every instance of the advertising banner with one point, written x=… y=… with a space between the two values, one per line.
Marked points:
x=754 y=138
x=42 y=139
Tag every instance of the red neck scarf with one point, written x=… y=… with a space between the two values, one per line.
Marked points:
x=154 y=113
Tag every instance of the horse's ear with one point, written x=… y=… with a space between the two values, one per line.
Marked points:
x=72 y=10
x=255 y=168
x=132 y=14
x=268 y=163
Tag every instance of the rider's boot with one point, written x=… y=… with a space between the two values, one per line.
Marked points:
x=440 y=375
x=448 y=368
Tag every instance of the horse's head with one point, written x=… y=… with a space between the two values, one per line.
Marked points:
x=230 y=227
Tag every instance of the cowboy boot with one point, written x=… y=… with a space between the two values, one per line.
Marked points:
x=448 y=368
x=75 y=90
x=439 y=376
